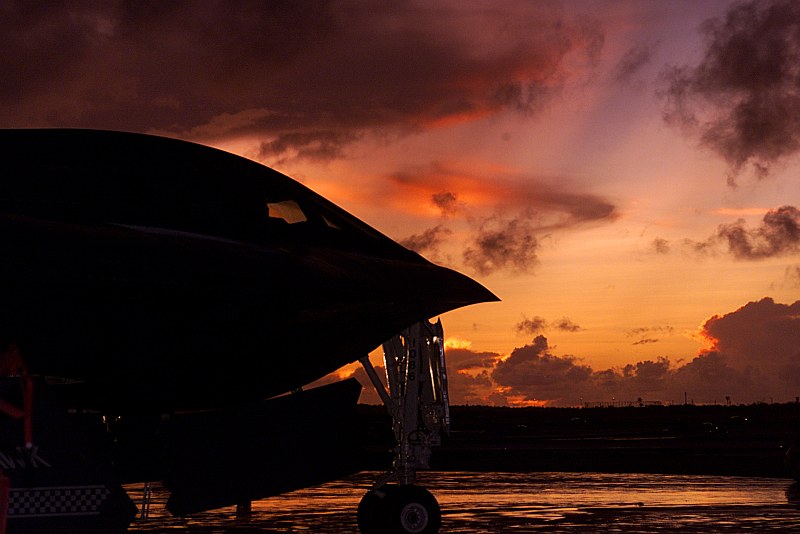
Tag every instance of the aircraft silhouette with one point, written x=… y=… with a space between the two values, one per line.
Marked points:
x=158 y=299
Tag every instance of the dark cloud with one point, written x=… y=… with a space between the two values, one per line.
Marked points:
x=467 y=360
x=446 y=202
x=469 y=375
x=469 y=388
x=307 y=78
x=763 y=334
x=428 y=241
x=778 y=235
x=660 y=246
x=511 y=243
x=565 y=381
x=645 y=329
x=566 y=325
x=525 y=208
x=578 y=207
x=534 y=372
x=509 y=240
x=501 y=244
x=633 y=61
x=534 y=325
x=743 y=99
x=710 y=377
x=644 y=333
x=649 y=376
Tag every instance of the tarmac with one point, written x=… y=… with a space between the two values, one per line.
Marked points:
x=494 y=503
x=644 y=469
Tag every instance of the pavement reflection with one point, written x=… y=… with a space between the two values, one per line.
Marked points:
x=494 y=502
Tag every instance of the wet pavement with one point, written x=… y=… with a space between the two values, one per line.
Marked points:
x=500 y=502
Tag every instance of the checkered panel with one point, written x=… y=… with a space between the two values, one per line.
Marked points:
x=56 y=501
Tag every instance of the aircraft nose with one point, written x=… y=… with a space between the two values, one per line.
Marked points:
x=452 y=287
x=366 y=300
x=430 y=288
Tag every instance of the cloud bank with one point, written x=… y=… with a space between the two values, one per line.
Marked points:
x=308 y=78
x=752 y=354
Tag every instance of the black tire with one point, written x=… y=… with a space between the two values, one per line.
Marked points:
x=393 y=509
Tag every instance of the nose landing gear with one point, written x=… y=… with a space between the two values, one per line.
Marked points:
x=418 y=402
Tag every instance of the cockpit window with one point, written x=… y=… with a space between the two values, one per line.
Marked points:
x=287 y=210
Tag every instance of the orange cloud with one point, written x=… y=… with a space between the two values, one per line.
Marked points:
x=474 y=185
x=482 y=185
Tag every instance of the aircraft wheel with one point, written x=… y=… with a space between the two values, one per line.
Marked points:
x=406 y=509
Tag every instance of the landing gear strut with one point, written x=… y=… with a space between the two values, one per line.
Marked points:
x=418 y=403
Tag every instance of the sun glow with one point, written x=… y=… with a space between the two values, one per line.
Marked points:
x=456 y=343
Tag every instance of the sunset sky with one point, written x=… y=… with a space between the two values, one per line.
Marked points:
x=622 y=174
